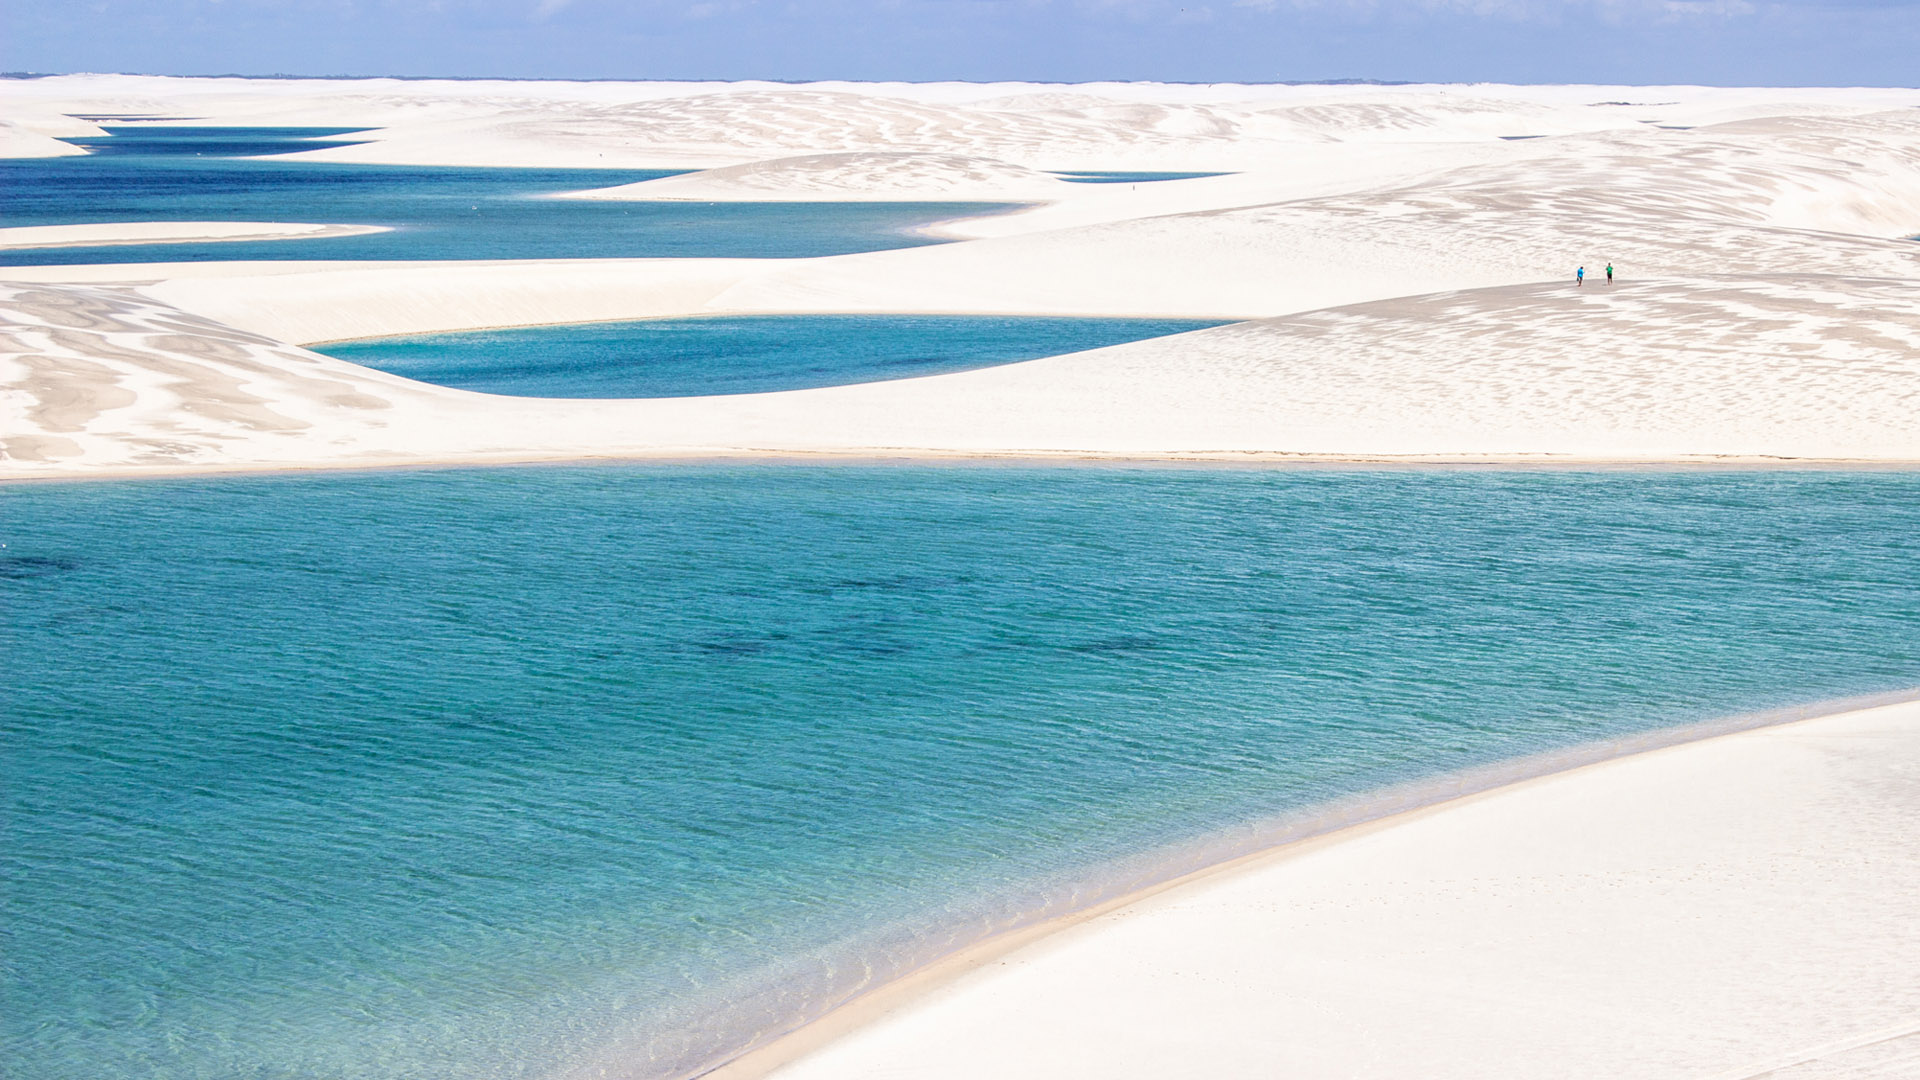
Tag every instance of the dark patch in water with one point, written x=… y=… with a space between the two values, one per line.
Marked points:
x=896 y=583
x=732 y=647
x=22 y=567
x=856 y=639
x=1125 y=643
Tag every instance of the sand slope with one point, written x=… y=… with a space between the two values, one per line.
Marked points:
x=100 y=378
x=17 y=141
x=1731 y=909
x=865 y=175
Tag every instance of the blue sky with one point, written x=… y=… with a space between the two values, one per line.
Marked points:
x=1723 y=42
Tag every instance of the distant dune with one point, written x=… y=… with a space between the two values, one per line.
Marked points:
x=1402 y=258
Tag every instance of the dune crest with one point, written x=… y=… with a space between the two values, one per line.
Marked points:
x=853 y=175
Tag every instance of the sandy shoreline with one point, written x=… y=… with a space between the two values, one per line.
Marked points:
x=116 y=234
x=923 y=1021
x=1006 y=459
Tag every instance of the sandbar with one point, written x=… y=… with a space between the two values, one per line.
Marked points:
x=106 y=234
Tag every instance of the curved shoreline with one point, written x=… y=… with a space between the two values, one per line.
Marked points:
x=1198 y=459
x=126 y=233
x=1272 y=842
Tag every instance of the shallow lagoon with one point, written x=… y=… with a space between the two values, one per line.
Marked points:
x=186 y=174
x=740 y=354
x=476 y=773
x=1109 y=176
x=185 y=140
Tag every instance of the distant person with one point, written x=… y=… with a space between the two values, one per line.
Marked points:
x=1609 y=273
x=1580 y=276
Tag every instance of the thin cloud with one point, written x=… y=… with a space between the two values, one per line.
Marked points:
x=1614 y=11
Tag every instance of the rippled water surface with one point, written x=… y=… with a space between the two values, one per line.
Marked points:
x=735 y=354
x=471 y=774
x=209 y=174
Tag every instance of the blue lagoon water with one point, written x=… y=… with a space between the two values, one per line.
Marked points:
x=181 y=140
x=210 y=174
x=741 y=354
x=1115 y=177
x=496 y=773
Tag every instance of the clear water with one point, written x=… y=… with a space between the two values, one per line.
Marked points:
x=188 y=141
x=495 y=773
x=734 y=354
x=178 y=174
x=1112 y=177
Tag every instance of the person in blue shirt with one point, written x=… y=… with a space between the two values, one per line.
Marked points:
x=1580 y=276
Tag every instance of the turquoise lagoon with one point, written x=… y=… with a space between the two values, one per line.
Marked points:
x=507 y=773
x=734 y=354
x=149 y=139
x=1108 y=176
x=151 y=173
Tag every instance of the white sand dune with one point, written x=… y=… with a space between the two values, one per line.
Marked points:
x=1401 y=258
x=17 y=141
x=852 y=176
x=1730 y=909
x=1654 y=203
x=1102 y=125
x=101 y=378
x=26 y=237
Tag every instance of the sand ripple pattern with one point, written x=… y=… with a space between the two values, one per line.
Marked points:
x=1655 y=203
x=1811 y=367
x=1040 y=127
x=900 y=176
x=826 y=121
x=103 y=372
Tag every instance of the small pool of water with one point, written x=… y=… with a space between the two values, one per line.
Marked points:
x=734 y=354
x=1106 y=177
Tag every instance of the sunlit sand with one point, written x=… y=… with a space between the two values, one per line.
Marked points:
x=1404 y=263
x=1733 y=909
x=1399 y=263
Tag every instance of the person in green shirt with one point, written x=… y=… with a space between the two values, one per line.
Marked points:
x=1609 y=273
